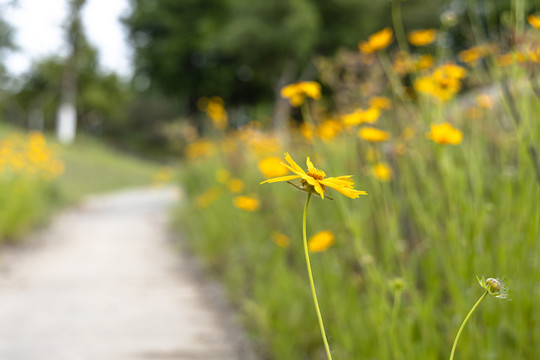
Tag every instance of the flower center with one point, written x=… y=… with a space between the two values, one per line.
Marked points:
x=316 y=173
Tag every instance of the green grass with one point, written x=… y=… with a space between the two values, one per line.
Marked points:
x=92 y=167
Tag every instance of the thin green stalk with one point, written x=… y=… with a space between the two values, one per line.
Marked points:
x=398 y=26
x=395 y=309
x=464 y=322
x=311 y=282
x=397 y=88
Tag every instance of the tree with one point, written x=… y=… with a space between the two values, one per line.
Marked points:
x=241 y=50
x=67 y=112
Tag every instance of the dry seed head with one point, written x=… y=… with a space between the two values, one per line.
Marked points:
x=494 y=285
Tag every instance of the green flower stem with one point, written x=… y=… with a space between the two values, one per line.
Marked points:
x=397 y=88
x=395 y=309
x=398 y=26
x=311 y=282
x=464 y=322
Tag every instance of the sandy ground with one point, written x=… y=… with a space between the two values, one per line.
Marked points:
x=103 y=282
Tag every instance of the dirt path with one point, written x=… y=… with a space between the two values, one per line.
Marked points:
x=102 y=283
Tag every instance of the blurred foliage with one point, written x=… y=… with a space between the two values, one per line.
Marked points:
x=101 y=101
x=6 y=39
x=239 y=49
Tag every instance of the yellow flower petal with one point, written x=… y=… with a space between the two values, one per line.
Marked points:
x=281 y=178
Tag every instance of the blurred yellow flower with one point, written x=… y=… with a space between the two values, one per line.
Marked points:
x=199 y=149
x=444 y=82
x=321 y=241
x=208 y=197
x=360 y=116
x=484 y=101
x=422 y=37
x=444 y=134
x=403 y=63
x=328 y=130
x=215 y=109
x=307 y=131
x=297 y=92
x=235 y=185
x=164 y=175
x=315 y=180
x=247 y=203
x=271 y=167
x=383 y=172
x=372 y=134
x=472 y=55
x=534 y=54
x=280 y=239
x=377 y=41
x=380 y=102
x=534 y=21
x=424 y=62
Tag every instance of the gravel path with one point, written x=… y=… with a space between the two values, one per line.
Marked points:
x=102 y=282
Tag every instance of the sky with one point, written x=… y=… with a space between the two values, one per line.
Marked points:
x=38 y=32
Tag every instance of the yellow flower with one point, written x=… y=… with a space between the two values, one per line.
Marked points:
x=484 y=101
x=380 y=102
x=164 y=175
x=247 y=203
x=297 y=92
x=280 y=239
x=443 y=84
x=422 y=37
x=315 y=180
x=360 y=116
x=271 y=167
x=321 y=241
x=424 y=62
x=444 y=134
x=377 y=41
x=328 y=130
x=207 y=198
x=383 y=172
x=307 y=131
x=235 y=185
x=534 y=21
x=199 y=149
x=373 y=135
x=215 y=109
x=472 y=55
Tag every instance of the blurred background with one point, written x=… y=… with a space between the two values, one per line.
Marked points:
x=431 y=105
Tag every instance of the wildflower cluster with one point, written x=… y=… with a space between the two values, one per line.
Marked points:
x=443 y=83
x=296 y=93
x=29 y=156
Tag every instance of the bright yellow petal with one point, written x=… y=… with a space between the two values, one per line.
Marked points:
x=319 y=189
x=295 y=166
x=309 y=164
x=302 y=173
x=281 y=178
x=339 y=181
x=343 y=185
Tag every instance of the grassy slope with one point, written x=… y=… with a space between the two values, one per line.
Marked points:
x=92 y=167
